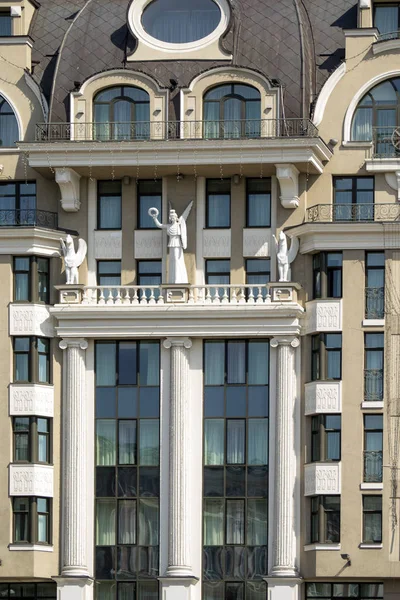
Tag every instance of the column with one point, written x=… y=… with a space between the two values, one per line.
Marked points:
x=74 y=460
x=283 y=579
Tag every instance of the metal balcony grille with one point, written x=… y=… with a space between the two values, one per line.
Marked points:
x=28 y=218
x=374 y=303
x=373 y=466
x=373 y=385
x=335 y=213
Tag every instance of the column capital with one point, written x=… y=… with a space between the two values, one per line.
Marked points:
x=175 y=341
x=73 y=343
x=285 y=341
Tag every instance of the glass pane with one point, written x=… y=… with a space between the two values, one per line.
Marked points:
x=213 y=562
x=44 y=368
x=214 y=363
x=258 y=369
x=106 y=442
x=213 y=522
x=257 y=522
x=146 y=202
x=148 y=590
x=105 y=522
x=127 y=522
x=235 y=441
x=105 y=569
x=257 y=446
x=22 y=287
x=42 y=533
x=149 y=402
x=106 y=364
x=218 y=210
x=106 y=402
x=149 y=442
x=21 y=527
x=235 y=521
x=371 y=590
x=236 y=401
x=149 y=482
x=213 y=401
x=127 y=443
x=21 y=367
x=257 y=563
x=43 y=448
x=214 y=481
x=257 y=481
x=46 y=590
x=213 y=591
x=21 y=446
x=127 y=563
x=256 y=590
x=110 y=212
x=148 y=522
x=148 y=562
x=127 y=482
x=235 y=481
x=149 y=363
x=127 y=402
x=258 y=401
x=127 y=591
x=127 y=363
x=234 y=591
x=236 y=367
x=235 y=562
x=214 y=442
x=347 y=590
x=105 y=482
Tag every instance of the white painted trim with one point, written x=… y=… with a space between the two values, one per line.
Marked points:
x=16 y=40
x=90 y=450
x=369 y=405
x=385 y=46
x=362 y=32
x=373 y=323
x=370 y=546
x=371 y=486
x=326 y=92
x=327 y=547
x=30 y=547
x=15 y=111
x=32 y=240
x=227 y=71
x=135 y=75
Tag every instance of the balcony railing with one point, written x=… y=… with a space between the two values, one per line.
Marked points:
x=386 y=142
x=392 y=35
x=374 y=303
x=373 y=385
x=373 y=466
x=175 y=130
x=28 y=218
x=361 y=213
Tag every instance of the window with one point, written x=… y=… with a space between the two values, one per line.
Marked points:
x=258 y=195
x=31 y=279
x=109 y=272
x=149 y=273
x=327 y=275
x=33 y=591
x=326 y=438
x=372 y=519
x=31 y=439
x=232 y=111
x=374 y=285
x=9 y=132
x=109 y=205
x=122 y=113
x=353 y=199
x=5 y=23
x=127 y=463
x=218 y=209
x=325 y=519
x=235 y=505
x=149 y=196
x=31 y=360
x=32 y=520
x=373 y=361
x=218 y=273
x=357 y=591
x=326 y=356
x=17 y=202
x=258 y=273
x=386 y=20
x=373 y=448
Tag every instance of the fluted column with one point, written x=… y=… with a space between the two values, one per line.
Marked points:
x=179 y=556
x=284 y=547
x=74 y=460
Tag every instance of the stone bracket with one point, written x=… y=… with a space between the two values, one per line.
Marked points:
x=288 y=177
x=69 y=184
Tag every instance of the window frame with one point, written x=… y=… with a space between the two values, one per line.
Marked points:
x=318 y=514
x=375 y=290
x=320 y=365
x=33 y=279
x=33 y=434
x=208 y=194
x=112 y=123
x=319 y=438
x=332 y=596
x=110 y=274
x=248 y=181
x=155 y=195
x=366 y=429
x=18 y=196
x=33 y=360
x=33 y=520
x=323 y=275
x=387 y=5
x=371 y=512
x=107 y=195
x=368 y=350
x=10 y=112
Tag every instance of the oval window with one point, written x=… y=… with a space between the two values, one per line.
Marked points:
x=181 y=21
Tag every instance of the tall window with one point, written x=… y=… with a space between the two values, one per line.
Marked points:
x=31 y=360
x=374 y=285
x=17 y=203
x=127 y=469
x=32 y=520
x=31 y=439
x=258 y=273
x=372 y=521
x=9 y=133
x=258 y=196
x=218 y=273
x=235 y=507
x=353 y=198
x=326 y=356
x=149 y=195
x=327 y=275
x=373 y=448
x=218 y=204
x=326 y=438
x=109 y=205
x=149 y=272
x=325 y=519
x=109 y=272
x=5 y=23
x=354 y=590
x=122 y=113
x=387 y=19
x=232 y=111
x=373 y=367
x=31 y=279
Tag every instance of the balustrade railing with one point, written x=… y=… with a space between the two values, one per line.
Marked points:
x=373 y=466
x=26 y=217
x=373 y=385
x=374 y=303
x=386 y=142
x=334 y=213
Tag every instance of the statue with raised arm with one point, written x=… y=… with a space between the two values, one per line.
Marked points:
x=285 y=257
x=177 y=243
x=72 y=259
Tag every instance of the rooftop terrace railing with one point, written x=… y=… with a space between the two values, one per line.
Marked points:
x=361 y=213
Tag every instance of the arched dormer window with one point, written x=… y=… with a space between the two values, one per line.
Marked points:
x=8 y=124
x=122 y=113
x=232 y=110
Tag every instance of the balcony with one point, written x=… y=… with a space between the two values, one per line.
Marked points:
x=374 y=303
x=373 y=385
x=386 y=142
x=353 y=213
x=373 y=466
x=28 y=218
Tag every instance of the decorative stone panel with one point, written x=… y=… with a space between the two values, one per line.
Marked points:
x=323 y=397
x=108 y=245
x=324 y=315
x=31 y=319
x=148 y=244
x=31 y=480
x=256 y=242
x=322 y=478
x=217 y=243
x=31 y=399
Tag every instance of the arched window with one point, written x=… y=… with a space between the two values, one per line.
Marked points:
x=8 y=124
x=232 y=110
x=122 y=113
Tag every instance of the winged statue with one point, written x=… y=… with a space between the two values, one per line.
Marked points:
x=73 y=259
x=285 y=256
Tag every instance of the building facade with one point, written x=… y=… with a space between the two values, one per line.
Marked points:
x=225 y=430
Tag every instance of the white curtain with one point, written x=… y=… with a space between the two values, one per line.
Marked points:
x=235 y=521
x=214 y=442
x=386 y=19
x=236 y=362
x=235 y=441
x=127 y=522
x=105 y=590
x=149 y=363
x=213 y=522
x=110 y=212
x=362 y=125
x=258 y=363
x=257 y=453
x=8 y=129
x=105 y=364
x=259 y=206
x=180 y=26
x=42 y=528
x=105 y=522
x=257 y=529
x=127 y=443
x=106 y=442
x=148 y=522
x=214 y=359
x=149 y=442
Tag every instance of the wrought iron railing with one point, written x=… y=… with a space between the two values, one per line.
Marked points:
x=373 y=385
x=373 y=466
x=374 y=303
x=386 y=142
x=332 y=213
x=28 y=218
x=392 y=35
x=175 y=130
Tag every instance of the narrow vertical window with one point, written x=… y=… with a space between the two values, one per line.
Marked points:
x=149 y=196
x=373 y=448
x=109 y=214
x=218 y=203
x=372 y=512
x=373 y=367
x=258 y=196
x=374 y=285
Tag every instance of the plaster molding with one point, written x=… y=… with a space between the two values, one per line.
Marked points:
x=31 y=480
x=256 y=242
x=363 y=4
x=327 y=547
x=16 y=11
x=323 y=315
x=148 y=244
x=30 y=548
x=31 y=399
x=108 y=244
x=288 y=177
x=30 y=240
x=216 y=243
x=31 y=319
x=323 y=397
x=322 y=478
x=69 y=184
x=326 y=92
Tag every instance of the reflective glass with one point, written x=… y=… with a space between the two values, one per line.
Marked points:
x=106 y=363
x=213 y=591
x=105 y=522
x=236 y=401
x=213 y=401
x=257 y=481
x=105 y=482
x=235 y=562
x=105 y=568
x=149 y=482
x=234 y=591
x=149 y=402
x=149 y=442
x=127 y=402
x=214 y=359
x=214 y=481
x=148 y=522
x=126 y=563
x=235 y=481
x=214 y=442
x=106 y=402
x=258 y=401
x=127 y=363
x=149 y=363
x=213 y=562
x=127 y=482
x=257 y=563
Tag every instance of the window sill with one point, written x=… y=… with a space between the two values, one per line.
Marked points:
x=377 y=546
x=355 y=144
x=371 y=405
x=371 y=486
x=30 y=547
x=325 y=547
x=373 y=323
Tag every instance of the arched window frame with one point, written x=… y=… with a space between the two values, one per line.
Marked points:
x=8 y=112
x=115 y=130
x=245 y=127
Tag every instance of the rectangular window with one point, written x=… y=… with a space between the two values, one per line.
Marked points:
x=353 y=199
x=374 y=285
x=326 y=356
x=32 y=520
x=326 y=438
x=31 y=360
x=34 y=591
x=149 y=196
x=31 y=439
x=5 y=23
x=327 y=275
x=258 y=273
x=258 y=195
x=218 y=273
x=325 y=519
x=386 y=19
x=218 y=203
x=109 y=273
x=17 y=203
x=373 y=448
x=373 y=367
x=357 y=591
x=109 y=208
x=31 y=279
x=372 y=519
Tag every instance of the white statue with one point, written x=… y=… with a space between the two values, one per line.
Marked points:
x=176 y=230
x=72 y=259
x=285 y=257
